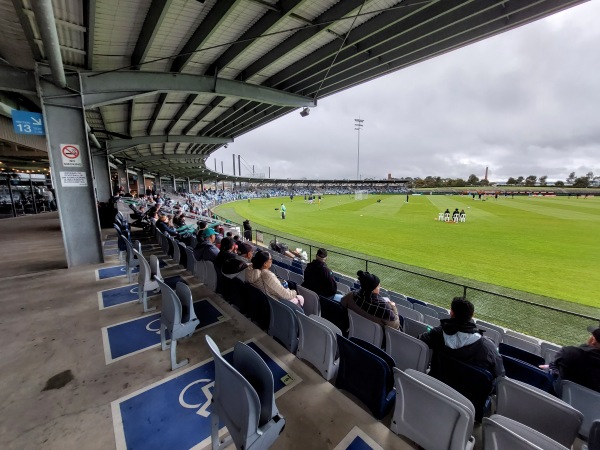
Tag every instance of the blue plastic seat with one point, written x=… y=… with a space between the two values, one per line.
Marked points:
x=528 y=373
x=283 y=324
x=367 y=373
x=520 y=354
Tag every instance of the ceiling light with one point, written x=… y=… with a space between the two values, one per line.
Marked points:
x=305 y=112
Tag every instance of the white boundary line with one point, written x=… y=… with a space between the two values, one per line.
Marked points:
x=108 y=357
x=353 y=434
x=116 y=410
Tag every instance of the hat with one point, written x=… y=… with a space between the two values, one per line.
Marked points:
x=207 y=232
x=322 y=253
x=368 y=282
x=244 y=248
x=595 y=330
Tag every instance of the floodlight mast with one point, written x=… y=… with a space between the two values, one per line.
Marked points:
x=358 y=123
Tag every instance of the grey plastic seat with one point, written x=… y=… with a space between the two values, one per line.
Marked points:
x=443 y=311
x=594 y=439
x=409 y=313
x=492 y=326
x=523 y=337
x=190 y=262
x=317 y=344
x=281 y=273
x=199 y=270
x=522 y=344
x=343 y=288
x=402 y=302
x=283 y=324
x=425 y=310
x=365 y=329
x=538 y=409
x=431 y=321
x=176 y=250
x=408 y=352
x=584 y=400
x=244 y=400
x=172 y=320
x=549 y=351
x=296 y=278
x=501 y=433
x=146 y=281
x=210 y=276
x=418 y=396
x=494 y=335
x=312 y=305
x=131 y=261
x=415 y=328
x=164 y=243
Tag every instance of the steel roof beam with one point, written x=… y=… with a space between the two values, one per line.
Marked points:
x=26 y=25
x=154 y=19
x=17 y=80
x=101 y=89
x=150 y=158
x=119 y=145
x=207 y=109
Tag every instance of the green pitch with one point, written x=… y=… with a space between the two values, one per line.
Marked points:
x=547 y=246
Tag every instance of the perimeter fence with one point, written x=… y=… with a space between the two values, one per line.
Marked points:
x=531 y=314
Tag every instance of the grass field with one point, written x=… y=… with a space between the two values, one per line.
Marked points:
x=545 y=246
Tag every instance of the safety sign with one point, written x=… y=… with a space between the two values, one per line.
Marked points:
x=71 y=156
x=73 y=179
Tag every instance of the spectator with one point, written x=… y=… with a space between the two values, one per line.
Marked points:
x=226 y=252
x=247 y=230
x=317 y=276
x=580 y=364
x=163 y=225
x=368 y=303
x=259 y=276
x=205 y=249
x=459 y=338
x=245 y=251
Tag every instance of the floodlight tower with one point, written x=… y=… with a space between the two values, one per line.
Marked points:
x=358 y=123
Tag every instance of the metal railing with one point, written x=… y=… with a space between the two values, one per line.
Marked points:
x=543 y=321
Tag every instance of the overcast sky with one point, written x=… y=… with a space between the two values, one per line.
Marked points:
x=526 y=102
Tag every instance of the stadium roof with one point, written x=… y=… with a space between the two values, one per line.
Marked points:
x=167 y=82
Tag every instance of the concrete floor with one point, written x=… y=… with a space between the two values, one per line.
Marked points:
x=51 y=322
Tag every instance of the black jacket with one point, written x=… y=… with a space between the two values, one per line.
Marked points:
x=481 y=352
x=319 y=279
x=580 y=365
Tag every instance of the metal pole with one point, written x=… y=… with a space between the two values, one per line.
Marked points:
x=215 y=164
x=12 y=200
x=233 y=164
x=358 y=123
x=32 y=195
x=222 y=171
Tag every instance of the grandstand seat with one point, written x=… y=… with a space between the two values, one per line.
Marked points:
x=431 y=321
x=471 y=381
x=365 y=329
x=131 y=261
x=243 y=399
x=594 y=439
x=490 y=333
x=537 y=409
x=210 y=276
x=311 y=301
x=317 y=344
x=170 y=245
x=147 y=282
x=442 y=312
x=409 y=313
x=182 y=254
x=522 y=344
x=236 y=295
x=343 y=288
x=414 y=328
x=190 y=262
x=417 y=396
x=585 y=400
x=336 y=313
x=282 y=274
x=549 y=351
x=491 y=326
x=523 y=355
x=173 y=319
x=416 y=301
x=283 y=324
x=399 y=301
x=425 y=310
x=296 y=278
x=366 y=372
x=523 y=337
x=408 y=352
x=176 y=250
x=500 y=433
x=528 y=373
x=258 y=306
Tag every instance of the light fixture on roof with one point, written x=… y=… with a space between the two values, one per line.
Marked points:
x=305 y=112
x=226 y=145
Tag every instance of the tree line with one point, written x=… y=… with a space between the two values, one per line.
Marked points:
x=532 y=180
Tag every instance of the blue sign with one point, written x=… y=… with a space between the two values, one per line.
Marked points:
x=175 y=413
x=25 y=122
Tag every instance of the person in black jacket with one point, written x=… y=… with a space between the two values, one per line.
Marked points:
x=317 y=276
x=459 y=338
x=247 y=230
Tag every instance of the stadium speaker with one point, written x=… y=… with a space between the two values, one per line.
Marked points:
x=305 y=112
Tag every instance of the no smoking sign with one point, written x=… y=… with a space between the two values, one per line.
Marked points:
x=71 y=156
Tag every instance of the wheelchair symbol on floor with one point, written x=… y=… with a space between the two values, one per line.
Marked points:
x=206 y=390
x=134 y=290
x=155 y=330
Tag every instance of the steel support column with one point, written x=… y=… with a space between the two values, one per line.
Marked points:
x=64 y=117
x=141 y=182
x=101 y=177
x=123 y=178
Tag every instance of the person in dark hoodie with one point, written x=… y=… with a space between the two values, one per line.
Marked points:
x=318 y=277
x=459 y=338
x=580 y=364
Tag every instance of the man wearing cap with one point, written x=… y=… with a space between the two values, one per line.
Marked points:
x=206 y=250
x=368 y=303
x=581 y=364
x=317 y=276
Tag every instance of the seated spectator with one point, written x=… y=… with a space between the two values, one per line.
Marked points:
x=580 y=364
x=235 y=268
x=368 y=303
x=206 y=250
x=245 y=251
x=459 y=338
x=317 y=276
x=247 y=229
x=226 y=252
x=259 y=276
x=163 y=225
